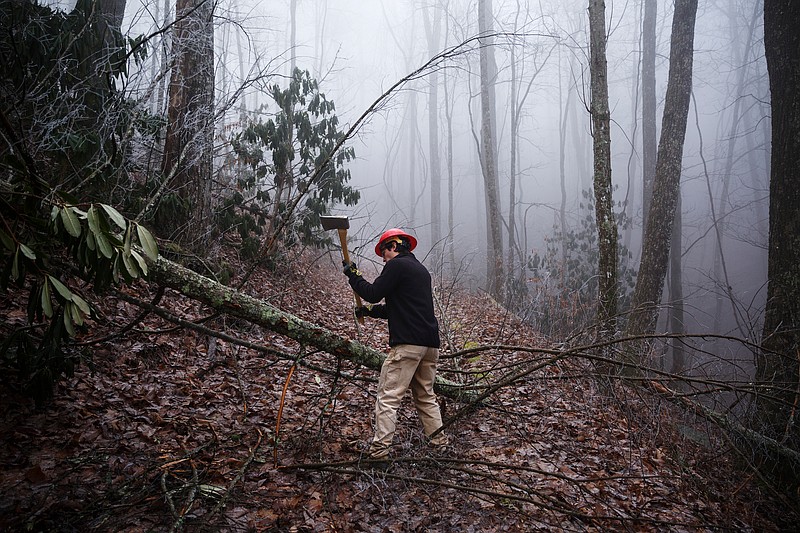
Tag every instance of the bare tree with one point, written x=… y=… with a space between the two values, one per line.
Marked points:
x=292 y=36
x=495 y=271
x=677 y=324
x=778 y=363
x=319 y=34
x=649 y=133
x=449 y=105
x=432 y=32
x=604 y=211
x=661 y=216
x=562 y=154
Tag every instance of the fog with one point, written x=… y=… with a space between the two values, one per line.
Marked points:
x=359 y=49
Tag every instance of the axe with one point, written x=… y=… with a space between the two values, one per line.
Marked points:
x=341 y=224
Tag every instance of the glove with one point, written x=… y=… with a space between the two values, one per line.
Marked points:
x=361 y=311
x=350 y=269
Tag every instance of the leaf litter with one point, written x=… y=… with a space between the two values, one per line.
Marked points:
x=169 y=429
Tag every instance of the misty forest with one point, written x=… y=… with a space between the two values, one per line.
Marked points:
x=601 y=191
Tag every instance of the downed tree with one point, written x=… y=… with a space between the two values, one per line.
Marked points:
x=240 y=305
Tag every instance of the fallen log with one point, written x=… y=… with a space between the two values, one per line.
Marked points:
x=240 y=305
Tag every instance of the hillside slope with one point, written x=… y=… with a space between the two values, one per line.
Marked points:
x=172 y=429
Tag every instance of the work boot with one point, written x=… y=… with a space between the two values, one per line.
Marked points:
x=377 y=451
x=371 y=450
x=440 y=443
x=440 y=440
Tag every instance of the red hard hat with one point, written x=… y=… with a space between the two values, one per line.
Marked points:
x=395 y=232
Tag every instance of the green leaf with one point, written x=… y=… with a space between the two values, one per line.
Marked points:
x=104 y=245
x=47 y=305
x=81 y=304
x=75 y=313
x=114 y=240
x=15 y=266
x=115 y=270
x=94 y=223
x=68 y=323
x=70 y=221
x=27 y=251
x=130 y=266
x=115 y=216
x=126 y=247
x=141 y=261
x=62 y=289
x=148 y=242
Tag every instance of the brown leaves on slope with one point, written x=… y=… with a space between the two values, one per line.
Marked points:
x=174 y=430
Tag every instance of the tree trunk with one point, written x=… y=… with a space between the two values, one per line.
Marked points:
x=158 y=69
x=411 y=124
x=185 y=211
x=604 y=205
x=677 y=324
x=512 y=182
x=634 y=159
x=495 y=272
x=562 y=155
x=778 y=363
x=660 y=219
x=103 y=22
x=649 y=134
x=448 y=111
x=432 y=32
x=242 y=72
x=319 y=36
x=109 y=15
x=292 y=37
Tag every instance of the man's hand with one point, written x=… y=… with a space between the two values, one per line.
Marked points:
x=362 y=311
x=350 y=269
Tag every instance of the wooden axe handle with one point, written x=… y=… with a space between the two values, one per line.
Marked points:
x=346 y=257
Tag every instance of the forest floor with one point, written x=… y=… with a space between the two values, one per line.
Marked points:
x=170 y=429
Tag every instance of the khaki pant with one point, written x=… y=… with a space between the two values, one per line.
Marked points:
x=414 y=366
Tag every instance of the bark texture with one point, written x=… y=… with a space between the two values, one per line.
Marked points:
x=779 y=362
x=185 y=209
x=649 y=134
x=495 y=272
x=676 y=315
x=604 y=206
x=660 y=219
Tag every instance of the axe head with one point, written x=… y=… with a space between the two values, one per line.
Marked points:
x=331 y=222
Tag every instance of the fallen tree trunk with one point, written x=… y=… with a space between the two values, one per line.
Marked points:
x=236 y=303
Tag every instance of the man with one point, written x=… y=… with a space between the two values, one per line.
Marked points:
x=405 y=285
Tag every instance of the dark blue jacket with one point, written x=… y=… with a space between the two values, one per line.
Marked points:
x=405 y=285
